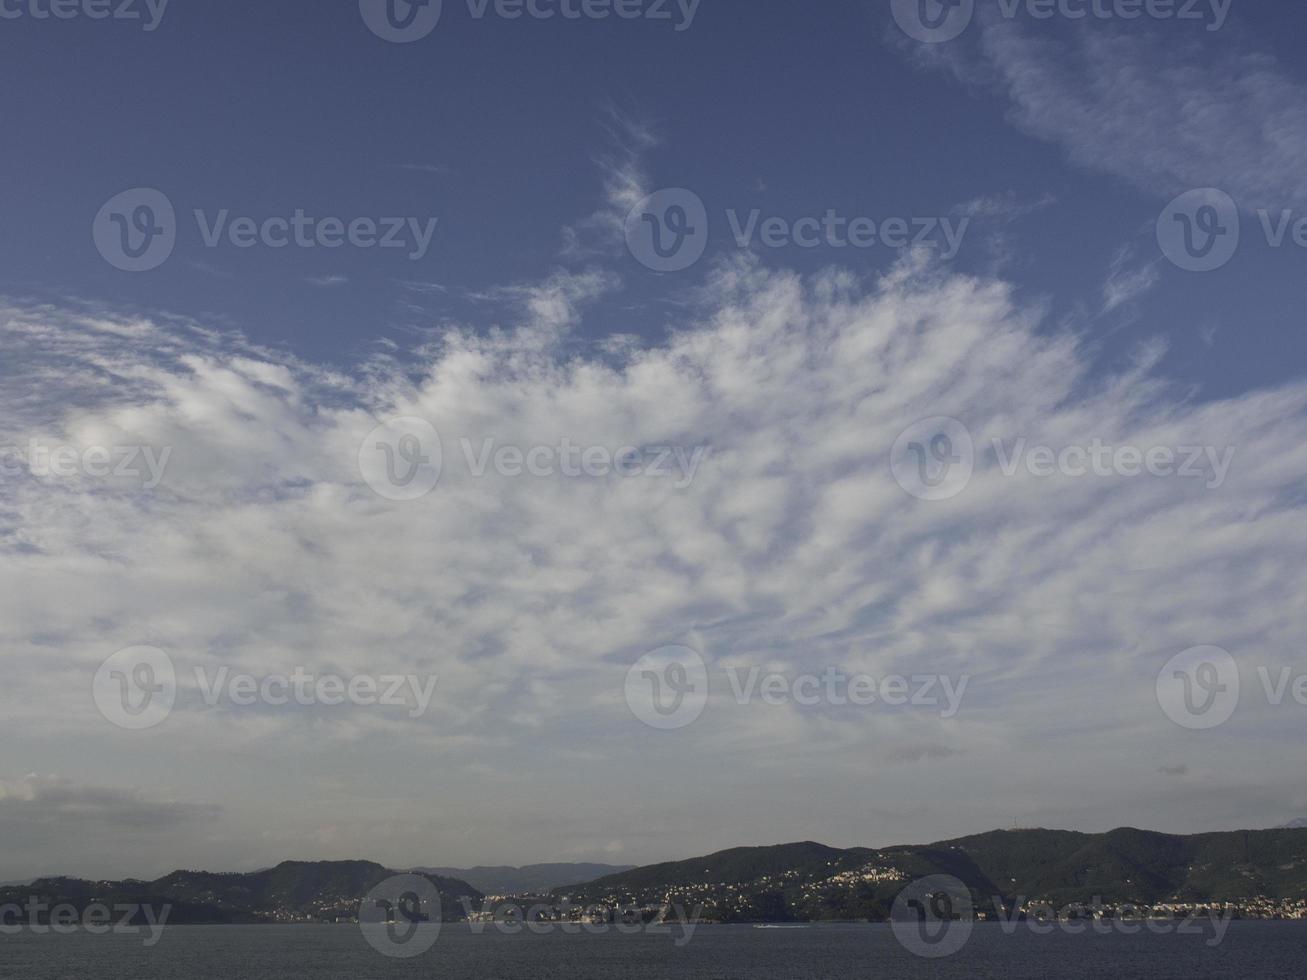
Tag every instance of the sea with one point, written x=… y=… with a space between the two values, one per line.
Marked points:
x=1248 y=950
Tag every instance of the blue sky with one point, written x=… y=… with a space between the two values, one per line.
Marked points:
x=1053 y=147
x=494 y=126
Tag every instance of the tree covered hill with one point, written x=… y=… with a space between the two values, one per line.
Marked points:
x=321 y=891
x=812 y=881
x=788 y=882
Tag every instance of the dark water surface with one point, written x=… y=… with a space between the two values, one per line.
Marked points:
x=1249 y=951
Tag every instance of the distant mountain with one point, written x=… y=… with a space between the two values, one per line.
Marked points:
x=1299 y=824
x=1262 y=872
x=1128 y=864
x=532 y=879
x=293 y=891
x=808 y=881
x=733 y=867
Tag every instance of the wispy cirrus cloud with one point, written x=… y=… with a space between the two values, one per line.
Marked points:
x=1128 y=280
x=1166 y=109
x=625 y=184
x=1004 y=207
x=264 y=549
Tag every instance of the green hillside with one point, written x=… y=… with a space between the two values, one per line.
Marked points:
x=812 y=881
x=292 y=891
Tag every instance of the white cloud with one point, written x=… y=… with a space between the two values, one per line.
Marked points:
x=1126 y=282
x=55 y=804
x=52 y=825
x=625 y=184
x=263 y=550
x=1167 y=110
x=1003 y=207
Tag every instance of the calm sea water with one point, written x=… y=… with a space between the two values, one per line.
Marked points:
x=1260 y=950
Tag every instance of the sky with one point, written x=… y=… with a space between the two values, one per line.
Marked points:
x=723 y=423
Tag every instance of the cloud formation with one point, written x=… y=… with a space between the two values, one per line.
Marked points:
x=1166 y=109
x=61 y=806
x=793 y=547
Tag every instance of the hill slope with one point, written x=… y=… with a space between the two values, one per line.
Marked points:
x=531 y=879
x=293 y=891
x=812 y=881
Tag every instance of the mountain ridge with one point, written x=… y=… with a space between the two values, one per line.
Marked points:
x=799 y=881
x=528 y=879
x=292 y=891
x=808 y=881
